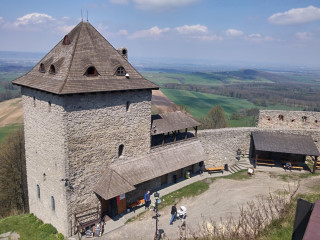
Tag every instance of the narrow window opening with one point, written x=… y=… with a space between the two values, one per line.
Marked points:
x=49 y=106
x=292 y=120
x=281 y=118
x=128 y=106
x=121 y=71
x=53 y=204
x=42 y=69
x=91 y=71
x=316 y=121
x=66 y=40
x=269 y=119
x=38 y=191
x=120 y=151
x=52 y=69
x=304 y=119
x=124 y=51
x=34 y=101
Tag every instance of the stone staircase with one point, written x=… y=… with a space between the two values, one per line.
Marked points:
x=243 y=163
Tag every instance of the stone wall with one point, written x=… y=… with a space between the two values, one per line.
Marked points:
x=97 y=124
x=288 y=119
x=220 y=145
x=46 y=153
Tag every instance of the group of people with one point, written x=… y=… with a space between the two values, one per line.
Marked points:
x=180 y=214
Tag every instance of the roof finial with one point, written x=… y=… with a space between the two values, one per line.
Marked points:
x=87 y=16
x=81 y=16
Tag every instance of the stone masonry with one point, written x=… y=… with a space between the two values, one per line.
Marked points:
x=76 y=137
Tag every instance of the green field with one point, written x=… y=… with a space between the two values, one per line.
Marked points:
x=199 y=104
x=5 y=131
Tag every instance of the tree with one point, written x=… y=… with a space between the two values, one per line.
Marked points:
x=13 y=177
x=214 y=119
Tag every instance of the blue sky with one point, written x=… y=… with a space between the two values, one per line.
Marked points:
x=285 y=32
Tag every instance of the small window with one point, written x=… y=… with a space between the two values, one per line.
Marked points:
x=53 y=204
x=292 y=120
x=49 y=106
x=124 y=51
x=38 y=191
x=304 y=119
x=42 y=69
x=52 y=69
x=127 y=106
x=66 y=40
x=281 y=118
x=316 y=121
x=91 y=71
x=121 y=71
x=268 y=118
x=34 y=101
x=120 y=151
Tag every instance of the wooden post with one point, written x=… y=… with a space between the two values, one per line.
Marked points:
x=196 y=131
x=186 y=135
x=255 y=161
x=315 y=164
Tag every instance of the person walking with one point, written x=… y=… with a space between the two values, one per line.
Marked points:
x=147 y=200
x=173 y=213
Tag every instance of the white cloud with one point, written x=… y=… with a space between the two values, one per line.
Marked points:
x=152 y=32
x=33 y=19
x=161 y=5
x=296 y=16
x=191 y=29
x=303 y=35
x=209 y=38
x=234 y=32
x=65 y=28
x=123 y=32
x=257 y=37
x=122 y=2
x=1 y=20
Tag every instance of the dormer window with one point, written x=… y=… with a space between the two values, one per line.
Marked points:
x=121 y=71
x=66 y=40
x=52 y=69
x=42 y=69
x=91 y=71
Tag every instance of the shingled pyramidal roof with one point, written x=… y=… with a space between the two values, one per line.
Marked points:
x=84 y=47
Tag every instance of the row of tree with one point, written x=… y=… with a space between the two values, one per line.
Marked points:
x=13 y=177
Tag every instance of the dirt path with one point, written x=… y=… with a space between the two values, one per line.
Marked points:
x=222 y=199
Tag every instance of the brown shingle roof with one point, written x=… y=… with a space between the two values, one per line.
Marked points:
x=87 y=48
x=172 y=121
x=285 y=143
x=147 y=167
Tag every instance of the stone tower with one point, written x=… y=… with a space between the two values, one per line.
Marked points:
x=85 y=107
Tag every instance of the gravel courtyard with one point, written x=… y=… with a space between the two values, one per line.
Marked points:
x=222 y=199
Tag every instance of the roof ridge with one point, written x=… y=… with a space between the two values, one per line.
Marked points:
x=71 y=60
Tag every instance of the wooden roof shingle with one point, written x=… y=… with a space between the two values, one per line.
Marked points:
x=172 y=121
x=87 y=48
x=147 y=167
x=285 y=143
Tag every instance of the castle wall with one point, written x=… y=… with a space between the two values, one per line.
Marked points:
x=288 y=119
x=220 y=145
x=97 y=125
x=45 y=146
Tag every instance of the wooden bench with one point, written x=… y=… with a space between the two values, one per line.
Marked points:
x=136 y=203
x=294 y=167
x=265 y=163
x=86 y=219
x=265 y=160
x=213 y=169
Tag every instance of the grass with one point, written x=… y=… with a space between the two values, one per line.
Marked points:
x=191 y=190
x=294 y=176
x=5 y=131
x=199 y=104
x=238 y=176
x=29 y=228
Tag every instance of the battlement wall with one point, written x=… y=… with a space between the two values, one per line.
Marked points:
x=278 y=119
